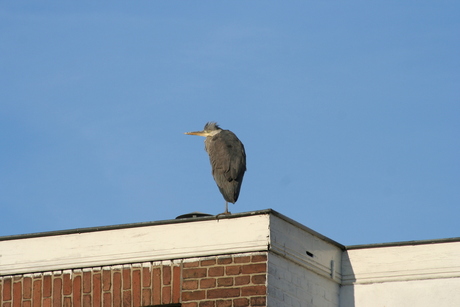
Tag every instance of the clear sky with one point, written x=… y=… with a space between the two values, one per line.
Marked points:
x=349 y=112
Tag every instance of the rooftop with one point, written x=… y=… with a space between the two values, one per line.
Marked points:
x=223 y=217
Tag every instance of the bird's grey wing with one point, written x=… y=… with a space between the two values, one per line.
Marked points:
x=227 y=155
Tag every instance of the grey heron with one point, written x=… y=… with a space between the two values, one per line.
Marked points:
x=228 y=160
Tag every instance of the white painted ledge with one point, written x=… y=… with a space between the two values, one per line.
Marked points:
x=135 y=244
x=401 y=263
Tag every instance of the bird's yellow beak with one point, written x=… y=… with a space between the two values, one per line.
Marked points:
x=200 y=133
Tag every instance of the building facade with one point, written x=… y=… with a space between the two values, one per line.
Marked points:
x=257 y=258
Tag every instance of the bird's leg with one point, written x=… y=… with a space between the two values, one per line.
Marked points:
x=226 y=211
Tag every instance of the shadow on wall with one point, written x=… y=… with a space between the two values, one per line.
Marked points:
x=347 y=290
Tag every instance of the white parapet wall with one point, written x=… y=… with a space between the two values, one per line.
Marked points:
x=400 y=275
x=134 y=243
x=303 y=266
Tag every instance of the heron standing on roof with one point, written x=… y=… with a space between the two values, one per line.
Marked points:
x=228 y=160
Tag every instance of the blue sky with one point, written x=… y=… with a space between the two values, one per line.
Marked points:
x=349 y=112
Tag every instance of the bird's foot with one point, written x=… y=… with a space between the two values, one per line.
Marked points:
x=223 y=214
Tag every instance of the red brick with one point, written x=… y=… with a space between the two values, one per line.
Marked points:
x=193 y=304
x=190 y=285
x=146 y=277
x=27 y=287
x=176 y=284
x=107 y=299
x=166 y=295
x=126 y=278
x=244 y=259
x=7 y=288
x=242 y=280
x=67 y=284
x=233 y=270
x=127 y=298
x=26 y=304
x=224 y=303
x=36 y=300
x=156 y=284
x=207 y=283
x=225 y=282
x=47 y=302
x=258 y=301
x=6 y=304
x=97 y=289
x=17 y=294
x=87 y=282
x=240 y=302
x=47 y=286
x=223 y=293
x=259 y=279
x=1 y=293
x=224 y=260
x=193 y=295
x=207 y=304
x=254 y=268
x=193 y=264
x=194 y=273
x=146 y=297
x=116 y=288
x=67 y=302
x=259 y=258
x=87 y=300
x=37 y=293
x=216 y=271
x=208 y=262
x=76 y=292
x=137 y=287
x=57 y=292
x=166 y=275
x=106 y=280
x=253 y=290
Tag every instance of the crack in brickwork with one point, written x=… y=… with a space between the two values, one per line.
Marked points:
x=230 y=280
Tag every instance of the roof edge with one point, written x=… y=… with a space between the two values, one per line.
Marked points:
x=131 y=225
x=403 y=243
x=214 y=217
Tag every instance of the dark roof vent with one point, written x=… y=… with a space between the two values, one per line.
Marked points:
x=192 y=215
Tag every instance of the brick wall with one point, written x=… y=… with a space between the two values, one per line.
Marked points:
x=231 y=280
x=225 y=281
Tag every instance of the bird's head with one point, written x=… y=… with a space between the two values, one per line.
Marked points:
x=210 y=129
